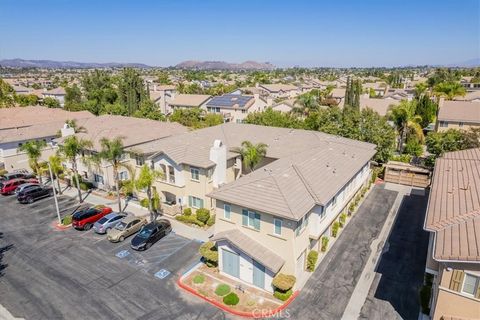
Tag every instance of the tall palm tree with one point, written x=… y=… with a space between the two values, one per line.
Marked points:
x=71 y=148
x=34 y=149
x=449 y=90
x=111 y=152
x=145 y=181
x=57 y=168
x=406 y=122
x=252 y=154
x=307 y=103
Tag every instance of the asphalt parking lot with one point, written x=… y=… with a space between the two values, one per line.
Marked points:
x=50 y=274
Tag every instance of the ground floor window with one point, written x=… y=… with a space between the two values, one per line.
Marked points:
x=195 y=202
x=98 y=178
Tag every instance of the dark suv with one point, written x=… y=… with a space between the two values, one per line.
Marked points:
x=34 y=193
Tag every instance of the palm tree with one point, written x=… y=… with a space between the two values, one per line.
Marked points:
x=71 y=148
x=252 y=154
x=449 y=90
x=406 y=122
x=34 y=149
x=145 y=181
x=57 y=168
x=76 y=128
x=307 y=103
x=111 y=152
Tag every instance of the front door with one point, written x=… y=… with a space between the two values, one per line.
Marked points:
x=231 y=263
x=258 y=275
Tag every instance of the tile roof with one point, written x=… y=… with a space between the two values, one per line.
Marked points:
x=135 y=131
x=279 y=87
x=56 y=92
x=189 y=100
x=27 y=116
x=252 y=248
x=462 y=111
x=231 y=101
x=453 y=211
x=469 y=96
x=381 y=106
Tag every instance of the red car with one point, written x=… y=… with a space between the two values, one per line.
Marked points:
x=85 y=218
x=9 y=186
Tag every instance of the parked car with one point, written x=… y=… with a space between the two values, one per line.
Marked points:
x=107 y=222
x=9 y=186
x=34 y=193
x=84 y=219
x=17 y=174
x=125 y=228
x=150 y=234
x=25 y=186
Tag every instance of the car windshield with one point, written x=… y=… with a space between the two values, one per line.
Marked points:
x=121 y=226
x=103 y=220
x=145 y=233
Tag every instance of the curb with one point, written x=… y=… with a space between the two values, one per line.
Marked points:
x=60 y=227
x=225 y=308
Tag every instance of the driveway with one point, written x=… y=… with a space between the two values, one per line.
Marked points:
x=50 y=274
x=394 y=293
x=328 y=291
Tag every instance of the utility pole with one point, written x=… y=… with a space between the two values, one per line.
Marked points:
x=54 y=193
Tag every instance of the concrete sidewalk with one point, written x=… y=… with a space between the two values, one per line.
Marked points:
x=178 y=227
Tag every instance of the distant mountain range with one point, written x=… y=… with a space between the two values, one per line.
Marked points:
x=50 y=64
x=467 y=64
x=222 y=65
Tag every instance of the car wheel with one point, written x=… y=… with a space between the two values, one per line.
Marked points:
x=30 y=200
x=50 y=193
x=121 y=238
x=87 y=226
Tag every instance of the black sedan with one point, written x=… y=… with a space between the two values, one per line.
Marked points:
x=34 y=193
x=150 y=234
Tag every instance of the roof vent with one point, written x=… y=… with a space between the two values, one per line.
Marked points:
x=328 y=164
x=334 y=170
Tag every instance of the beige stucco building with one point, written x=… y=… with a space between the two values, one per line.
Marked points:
x=453 y=220
x=458 y=115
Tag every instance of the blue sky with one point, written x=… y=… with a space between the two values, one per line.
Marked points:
x=286 y=33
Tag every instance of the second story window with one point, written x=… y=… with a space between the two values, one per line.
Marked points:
x=195 y=172
x=251 y=219
x=139 y=160
x=171 y=174
x=277 y=226
x=227 y=210
x=123 y=175
x=470 y=284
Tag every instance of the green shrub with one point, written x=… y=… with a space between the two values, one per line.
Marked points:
x=199 y=278
x=144 y=203
x=66 y=220
x=231 y=299
x=222 y=289
x=325 y=240
x=61 y=176
x=335 y=228
x=84 y=186
x=190 y=220
x=187 y=211
x=364 y=191
x=209 y=252
x=284 y=282
x=282 y=295
x=211 y=220
x=342 y=220
x=3 y=172
x=351 y=208
x=406 y=158
x=312 y=260
x=203 y=215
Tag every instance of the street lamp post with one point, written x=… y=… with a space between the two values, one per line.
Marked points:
x=54 y=193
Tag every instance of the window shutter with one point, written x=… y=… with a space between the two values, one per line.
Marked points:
x=456 y=280
x=190 y=201
x=244 y=217
x=256 y=222
x=201 y=203
x=477 y=294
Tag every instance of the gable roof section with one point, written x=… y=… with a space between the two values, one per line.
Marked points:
x=453 y=211
x=189 y=100
x=289 y=187
x=462 y=111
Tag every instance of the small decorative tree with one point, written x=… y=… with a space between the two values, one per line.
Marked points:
x=312 y=260
x=283 y=285
x=335 y=228
x=325 y=240
x=203 y=215
x=209 y=252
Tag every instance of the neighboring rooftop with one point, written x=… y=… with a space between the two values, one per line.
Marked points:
x=461 y=111
x=381 y=106
x=232 y=101
x=279 y=87
x=26 y=116
x=55 y=92
x=189 y=100
x=453 y=211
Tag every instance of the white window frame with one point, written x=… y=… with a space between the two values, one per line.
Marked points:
x=475 y=286
x=229 y=211
x=275 y=220
x=123 y=175
x=195 y=173
x=195 y=205
x=334 y=201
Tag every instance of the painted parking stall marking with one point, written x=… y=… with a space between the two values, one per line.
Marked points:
x=162 y=274
x=122 y=254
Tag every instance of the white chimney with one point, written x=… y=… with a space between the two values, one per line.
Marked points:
x=67 y=130
x=154 y=87
x=269 y=102
x=218 y=155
